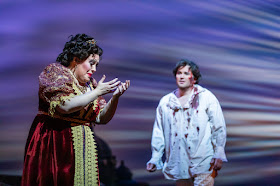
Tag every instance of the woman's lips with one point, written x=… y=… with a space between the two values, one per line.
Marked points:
x=89 y=74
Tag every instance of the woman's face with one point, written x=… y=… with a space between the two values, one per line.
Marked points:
x=84 y=70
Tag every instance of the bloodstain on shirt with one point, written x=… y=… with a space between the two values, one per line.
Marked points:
x=174 y=112
x=195 y=102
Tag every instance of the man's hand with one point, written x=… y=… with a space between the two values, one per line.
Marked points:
x=151 y=167
x=216 y=164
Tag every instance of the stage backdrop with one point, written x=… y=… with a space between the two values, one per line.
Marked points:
x=235 y=43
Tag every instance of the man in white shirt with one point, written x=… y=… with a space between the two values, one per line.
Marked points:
x=190 y=127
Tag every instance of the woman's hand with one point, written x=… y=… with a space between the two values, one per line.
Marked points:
x=110 y=108
x=121 y=88
x=105 y=88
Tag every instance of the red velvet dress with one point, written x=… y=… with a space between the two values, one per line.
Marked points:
x=60 y=149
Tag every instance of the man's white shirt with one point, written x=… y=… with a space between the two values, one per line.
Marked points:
x=191 y=135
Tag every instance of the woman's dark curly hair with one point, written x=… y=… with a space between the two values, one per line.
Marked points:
x=194 y=68
x=80 y=46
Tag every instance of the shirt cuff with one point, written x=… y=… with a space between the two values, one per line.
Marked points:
x=220 y=154
x=158 y=163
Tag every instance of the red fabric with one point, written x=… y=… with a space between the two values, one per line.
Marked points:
x=49 y=154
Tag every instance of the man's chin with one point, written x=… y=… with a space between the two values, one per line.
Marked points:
x=182 y=87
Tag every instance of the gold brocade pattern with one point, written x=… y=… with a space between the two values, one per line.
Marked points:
x=55 y=87
x=86 y=168
x=91 y=159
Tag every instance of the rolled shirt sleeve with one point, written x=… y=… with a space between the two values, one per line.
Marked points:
x=218 y=128
x=158 y=143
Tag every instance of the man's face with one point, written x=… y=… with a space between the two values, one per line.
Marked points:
x=184 y=77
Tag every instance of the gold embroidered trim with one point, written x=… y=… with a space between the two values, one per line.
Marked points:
x=62 y=99
x=77 y=134
x=86 y=167
x=91 y=159
x=79 y=89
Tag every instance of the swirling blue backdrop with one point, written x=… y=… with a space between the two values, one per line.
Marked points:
x=235 y=43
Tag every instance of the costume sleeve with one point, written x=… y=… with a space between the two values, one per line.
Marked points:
x=55 y=86
x=158 y=143
x=218 y=128
x=101 y=101
x=95 y=107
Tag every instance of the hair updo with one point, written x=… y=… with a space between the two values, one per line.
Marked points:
x=80 y=46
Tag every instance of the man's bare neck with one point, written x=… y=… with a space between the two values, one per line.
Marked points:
x=184 y=92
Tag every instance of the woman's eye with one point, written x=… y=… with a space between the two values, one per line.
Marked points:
x=92 y=63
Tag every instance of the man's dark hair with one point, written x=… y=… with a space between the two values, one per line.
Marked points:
x=193 y=67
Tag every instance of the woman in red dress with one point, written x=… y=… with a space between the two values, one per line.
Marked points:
x=60 y=148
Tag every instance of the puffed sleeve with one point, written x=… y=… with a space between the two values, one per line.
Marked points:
x=218 y=129
x=55 y=86
x=158 y=143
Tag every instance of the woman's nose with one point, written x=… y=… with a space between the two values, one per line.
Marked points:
x=93 y=68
